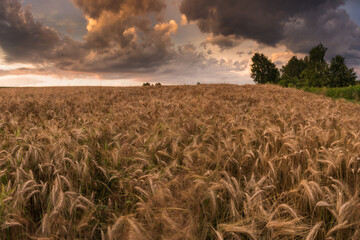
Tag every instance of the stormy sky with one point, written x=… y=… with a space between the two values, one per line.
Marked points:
x=128 y=42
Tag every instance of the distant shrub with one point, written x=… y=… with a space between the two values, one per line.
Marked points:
x=316 y=90
x=198 y=83
x=158 y=84
x=146 y=84
x=349 y=93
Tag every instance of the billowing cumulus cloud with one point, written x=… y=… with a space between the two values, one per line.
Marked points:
x=110 y=20
x=126 y=35
x=122 y=36
x=113 y=47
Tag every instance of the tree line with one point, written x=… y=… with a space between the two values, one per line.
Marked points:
x=311 y=71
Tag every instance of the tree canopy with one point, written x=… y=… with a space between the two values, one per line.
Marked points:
x=317 y=54
x=263 y=70
x=312 y=71
x=291 y=72
x=294 y=67
x=316 y=72
x=339 y=74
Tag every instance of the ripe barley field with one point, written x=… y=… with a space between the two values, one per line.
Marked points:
x=179 y=162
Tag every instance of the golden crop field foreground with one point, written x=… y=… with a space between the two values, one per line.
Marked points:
x=182 y=162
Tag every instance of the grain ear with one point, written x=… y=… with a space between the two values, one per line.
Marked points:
x=178 y=162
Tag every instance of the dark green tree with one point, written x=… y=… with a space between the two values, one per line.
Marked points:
x=317 y=54
x=294 y=67
x=316 y=72
x=263 y=70
x=291 y=72
x=339 y=74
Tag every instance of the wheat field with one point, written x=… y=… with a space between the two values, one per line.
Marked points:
x=178 y=162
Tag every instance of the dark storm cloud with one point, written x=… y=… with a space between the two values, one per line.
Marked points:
x=299 y=25
x=94 y=8
x=21 y=37
x=60 y=15
x=333 y=28
x=352 y=7
x=261 y=20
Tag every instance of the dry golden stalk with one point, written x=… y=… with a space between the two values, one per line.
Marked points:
x=180 y=162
